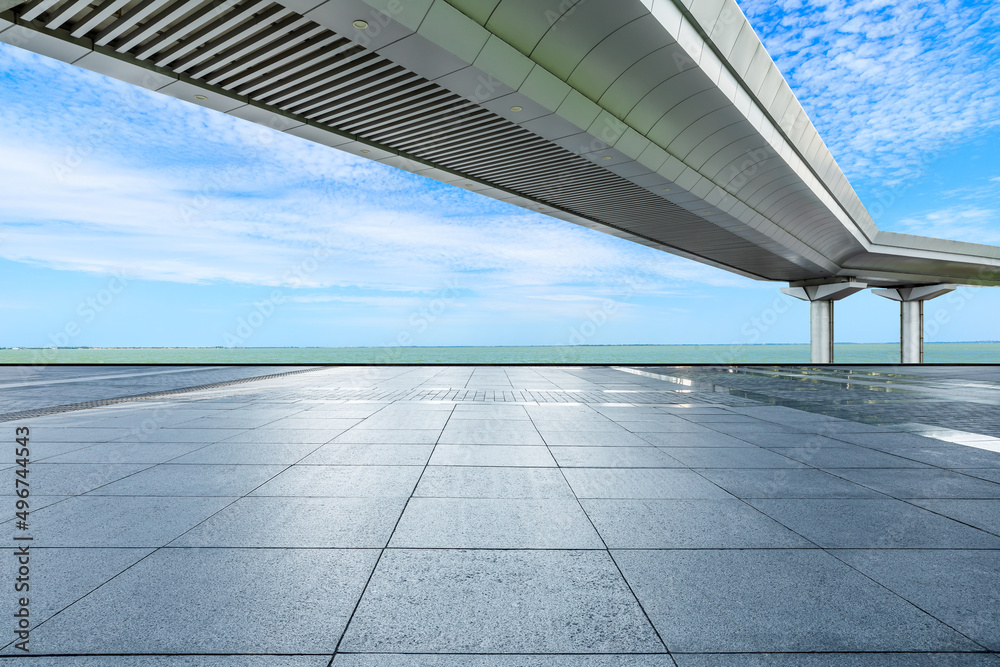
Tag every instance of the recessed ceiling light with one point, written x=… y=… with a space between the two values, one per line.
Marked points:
x=200 y=97
x=361 y=25
x=606 y=157
x=516 y=109
x=365 y=150
x=666 y=189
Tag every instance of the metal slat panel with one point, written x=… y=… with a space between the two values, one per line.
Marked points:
x=293 y=74
x=263 y=52
x=104 y=11
x=236 y=44
x=188 y=41
x=65 y=13
x=155 y=24
x=37 y=8
x=128 y=20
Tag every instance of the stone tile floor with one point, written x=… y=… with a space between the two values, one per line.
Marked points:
x=498 y=517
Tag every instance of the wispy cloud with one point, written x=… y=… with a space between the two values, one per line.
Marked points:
x=975 y=225
x=96 y=174
x=887 y=83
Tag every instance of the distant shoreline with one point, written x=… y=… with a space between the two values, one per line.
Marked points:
x=984 y=352
x=464 y=347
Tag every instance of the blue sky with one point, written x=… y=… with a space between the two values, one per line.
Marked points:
x=133 y=219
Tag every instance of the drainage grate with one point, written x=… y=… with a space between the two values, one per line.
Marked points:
x=86 y=405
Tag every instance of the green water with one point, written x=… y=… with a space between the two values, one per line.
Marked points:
x=956 y=353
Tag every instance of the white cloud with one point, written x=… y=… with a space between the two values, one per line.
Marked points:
x=974 y=225
x=378 y=228
x=888 y=84
x=101 y=177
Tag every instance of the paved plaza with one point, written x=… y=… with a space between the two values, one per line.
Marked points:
x=508 y=516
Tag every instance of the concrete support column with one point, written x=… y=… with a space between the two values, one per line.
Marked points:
x=821 y=332
x=821 y=298
x=911 y=316
x=911 y=332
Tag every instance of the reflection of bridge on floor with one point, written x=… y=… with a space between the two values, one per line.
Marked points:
x=661 y=121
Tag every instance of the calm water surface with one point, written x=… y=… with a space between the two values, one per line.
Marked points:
x=965 y=353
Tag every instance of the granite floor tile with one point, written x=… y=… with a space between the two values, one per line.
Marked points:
x=484 y=601
x=191 y=660
x=641 y=483
x=524 y=456
x=317 y=523
x=948 y=455
x=701 y=439
x=961 y=588
x=389 y=436
x=731 y=457
x=433 y=419
x=873 y=523
x=218 y=600
x=79 y=433
x=492 y=482
x=70 y=479
x=248 y=453
x=343 y=481
x=983 y=514
x=775 y=600
x=620 y=438
x=297 y=423
x=361 y=454
x=924 y=483
x=131 y=453
x=786 y=483
x=60 y=577
x=836 y=660
x=120 y=521
x=687 y=524
x=490 y=432
x=846 y=456
x=523 y=660
x=193 y=435
x=495 y=523
x=614 y=457
x=281 y=435
x=191 y=479
x=808 y=441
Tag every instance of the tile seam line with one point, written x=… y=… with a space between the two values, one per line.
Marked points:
x=371 y=575
x=828 y=550
x=154 y=550
x=606 y=550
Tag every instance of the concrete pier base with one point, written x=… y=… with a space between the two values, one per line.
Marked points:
x=821 y=297
x=821 y=332
x=911 y=317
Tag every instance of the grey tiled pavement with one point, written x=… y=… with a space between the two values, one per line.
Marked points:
x=511 y=516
